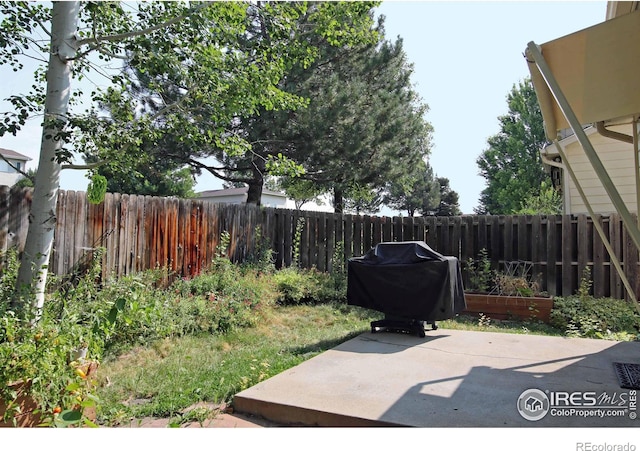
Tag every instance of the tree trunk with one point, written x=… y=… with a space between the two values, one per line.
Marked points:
x=338 y=200
x=34 y=263
x=254 y=193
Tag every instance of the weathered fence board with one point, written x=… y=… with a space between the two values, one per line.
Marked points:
x=183 y=235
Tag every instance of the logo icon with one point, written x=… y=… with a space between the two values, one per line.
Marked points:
x=533 y=404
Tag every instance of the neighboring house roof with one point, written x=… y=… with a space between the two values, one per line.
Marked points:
x=269 y=199
x=13 y=155
x=236 y=192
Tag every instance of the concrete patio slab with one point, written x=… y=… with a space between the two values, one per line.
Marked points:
x=452 y=378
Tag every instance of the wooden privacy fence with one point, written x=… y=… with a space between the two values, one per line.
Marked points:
x=142 y=232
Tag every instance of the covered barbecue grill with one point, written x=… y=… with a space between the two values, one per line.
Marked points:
x=407 y=281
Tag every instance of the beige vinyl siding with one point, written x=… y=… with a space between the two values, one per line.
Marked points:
x=617 y=158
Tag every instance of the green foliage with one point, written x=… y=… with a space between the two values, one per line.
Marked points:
x=233 y=59
x=261 y=256
x=152 y=174
x=415 y=191
x=97 y=188
x=515 y=285
x=584 y=289
x=111 y=317
x=295 y=286
x=363 y=125
x=586 y=316
x=26 y=182
x=297 y=237
x=222 y=248
x=299 y=189
x=9 y=265
x=511 y=166
x=548 y=201
x=40 y=357
x=298 y=286
x=361 y=199
x=481 y=276
x=449 y=199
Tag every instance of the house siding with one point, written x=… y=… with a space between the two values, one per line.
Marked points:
x=617 y=158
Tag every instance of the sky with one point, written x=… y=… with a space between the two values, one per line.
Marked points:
x=467 y=56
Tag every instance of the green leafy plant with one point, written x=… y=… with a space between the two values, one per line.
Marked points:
x=585 y=283
x=297 y=238
x=261 y=257
x=37 y=362
x=586 y=316
x=295 y=286
x=480 y=273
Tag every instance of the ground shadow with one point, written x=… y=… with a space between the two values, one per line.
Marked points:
x=484 y=392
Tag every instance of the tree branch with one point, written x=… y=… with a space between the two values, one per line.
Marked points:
x=133 y=34
x=15 y=168
x=84 y=166
x=216 y=174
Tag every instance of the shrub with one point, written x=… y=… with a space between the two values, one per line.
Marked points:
x=295 y=286
x=480 y=273
x=587 y=316
x=40 y=356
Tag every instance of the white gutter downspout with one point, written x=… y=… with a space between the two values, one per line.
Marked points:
x=566 y=198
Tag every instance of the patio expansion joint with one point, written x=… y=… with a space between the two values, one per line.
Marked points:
x=444 y=351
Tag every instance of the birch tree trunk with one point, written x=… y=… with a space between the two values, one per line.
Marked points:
x=34 y=263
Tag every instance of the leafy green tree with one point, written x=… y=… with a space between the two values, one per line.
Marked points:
x=298 y=189
x=449 y=199
x=192 y=54
x=417 y=191
x=150 y=178
x=361 y=199
x=27 y=180
x=512 y=166
x=362 y=126
x=276 y=38
x=547 y=202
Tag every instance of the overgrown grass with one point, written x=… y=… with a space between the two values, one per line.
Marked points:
x=163 y=379
x=487 y=324
x=163 y=349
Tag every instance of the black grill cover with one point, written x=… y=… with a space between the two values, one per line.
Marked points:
x=408 y=280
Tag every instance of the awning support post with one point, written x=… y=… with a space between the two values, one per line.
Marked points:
x=627 y=219
x=598 y=227
x=631 y=225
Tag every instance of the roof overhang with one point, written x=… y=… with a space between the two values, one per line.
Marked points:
x=597 y=70
x=617 y=9
x=551 y=150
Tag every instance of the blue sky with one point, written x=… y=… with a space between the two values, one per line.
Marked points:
x=466 y=56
